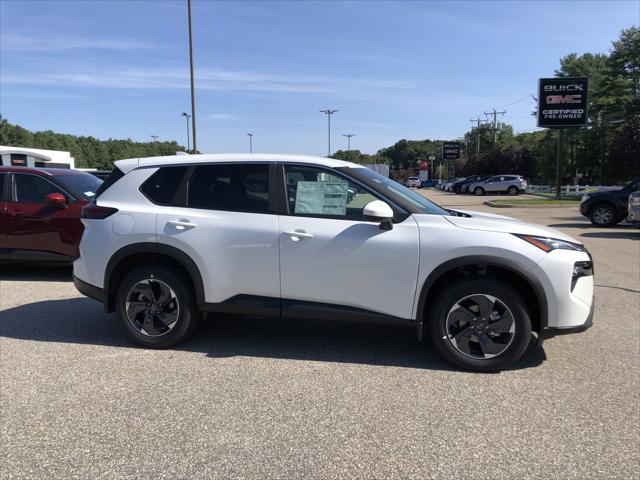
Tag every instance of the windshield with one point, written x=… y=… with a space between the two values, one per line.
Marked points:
x=403 y=196
x=81 y=186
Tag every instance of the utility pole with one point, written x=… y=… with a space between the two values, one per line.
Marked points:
x=328 y=112
x=495 y=124
x=193 y=88
x=250 y=142
x=187 y=117
x=155 y=143
x=348 y=135
x=477 y=134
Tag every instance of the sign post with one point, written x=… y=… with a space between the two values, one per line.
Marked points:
x=562 y=103
x=451 y=151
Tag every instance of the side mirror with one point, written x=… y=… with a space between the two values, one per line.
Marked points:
x=378 y=211
x=56 y=199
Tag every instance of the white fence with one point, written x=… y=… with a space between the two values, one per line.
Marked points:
x=571 y=189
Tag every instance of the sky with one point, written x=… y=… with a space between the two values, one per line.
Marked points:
x=394 y=70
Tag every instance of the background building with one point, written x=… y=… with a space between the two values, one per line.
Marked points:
x=35 y=157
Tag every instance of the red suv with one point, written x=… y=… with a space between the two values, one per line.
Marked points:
x=40 y=213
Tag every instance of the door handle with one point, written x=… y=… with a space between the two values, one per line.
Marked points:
x=298 y=234
x=182 y=224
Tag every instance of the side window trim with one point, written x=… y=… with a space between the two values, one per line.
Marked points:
x=14 y=187
x=282 y=189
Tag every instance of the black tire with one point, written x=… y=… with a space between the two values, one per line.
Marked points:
x=183 y=307
x=603 y=215
x=512 y=190
x=479 y=191
x=511 y=346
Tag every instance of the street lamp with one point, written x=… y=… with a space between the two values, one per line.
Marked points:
x=193 y=88
x=155 y=143
x=187 y=117
x=250 y=142
x=328 y=113
x=348 y=135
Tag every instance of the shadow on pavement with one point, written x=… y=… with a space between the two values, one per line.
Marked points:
x=82 y=321
x=623 y=234
x=31 y=273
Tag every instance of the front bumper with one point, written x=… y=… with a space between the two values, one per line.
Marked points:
x=551 y=332
x=88 y=290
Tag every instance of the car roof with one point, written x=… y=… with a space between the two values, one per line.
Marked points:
x=50 y=172
x=132 y=163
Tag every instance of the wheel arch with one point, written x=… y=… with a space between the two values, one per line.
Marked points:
x=138 y=254
x=495 y=266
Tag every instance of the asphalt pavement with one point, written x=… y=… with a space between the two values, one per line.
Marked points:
x=255 y=398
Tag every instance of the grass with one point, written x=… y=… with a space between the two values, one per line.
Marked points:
x=535 y=201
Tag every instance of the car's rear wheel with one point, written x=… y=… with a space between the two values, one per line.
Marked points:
x=479 y=191
x=480 y=324
x=155 y=307
x=603 y=215
x=512 y=190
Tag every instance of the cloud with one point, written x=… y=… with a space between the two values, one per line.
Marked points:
x=21 y=43
x=220 y=116
x=206 y=79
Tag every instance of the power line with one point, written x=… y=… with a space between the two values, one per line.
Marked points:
x=516 y=101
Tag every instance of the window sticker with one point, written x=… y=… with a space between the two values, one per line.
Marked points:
x=321 y=198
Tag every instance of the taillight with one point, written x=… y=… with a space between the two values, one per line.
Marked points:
x=95 y=212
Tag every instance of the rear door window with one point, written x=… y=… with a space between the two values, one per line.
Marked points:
x=230 y=187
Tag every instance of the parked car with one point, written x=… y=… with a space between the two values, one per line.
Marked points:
x=634 y=209
x=456 y=187
x=276 y=235
x=511 y=184
x=40 y=213
x=428 y=183
x=464 y=188
x=413 y=182
x=606 y=209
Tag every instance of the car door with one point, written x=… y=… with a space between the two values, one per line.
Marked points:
x=333 y=264
x=227 y=223
x=36 y=229
x=4 y=218
x=493 y=184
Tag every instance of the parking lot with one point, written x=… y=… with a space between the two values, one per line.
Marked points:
x=256 y=398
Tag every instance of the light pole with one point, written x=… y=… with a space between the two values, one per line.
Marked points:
x=193 y=88
x=348 y=135
x=155 y=143
x=328 y=113
x=187 y=117
x=250 y=142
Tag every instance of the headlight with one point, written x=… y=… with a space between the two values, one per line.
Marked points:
x=547 y=244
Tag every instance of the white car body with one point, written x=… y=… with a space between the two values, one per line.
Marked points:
x=413 y=182
x=322 y=267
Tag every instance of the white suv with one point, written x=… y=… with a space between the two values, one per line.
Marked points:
x=304 y=237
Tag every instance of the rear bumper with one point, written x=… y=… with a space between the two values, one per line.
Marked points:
x=88 y=290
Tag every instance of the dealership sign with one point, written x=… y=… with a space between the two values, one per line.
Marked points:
x=451 y=150
x=562 y=102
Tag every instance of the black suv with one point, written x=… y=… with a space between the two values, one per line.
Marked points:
x=606 y=209
x=462 y=186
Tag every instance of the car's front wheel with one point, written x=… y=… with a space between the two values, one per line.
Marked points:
x=480 y=324
x=479 y=191
x=155 y=307
x=603 y=215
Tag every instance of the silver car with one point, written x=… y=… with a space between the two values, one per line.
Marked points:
x=511 y=184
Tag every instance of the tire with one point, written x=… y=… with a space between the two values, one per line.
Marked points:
x=149 y=326
x=603 y=215
x=512 y=190
x=479 y=191
x=471 y=346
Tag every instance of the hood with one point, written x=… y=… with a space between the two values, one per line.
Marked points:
x=499 y=223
